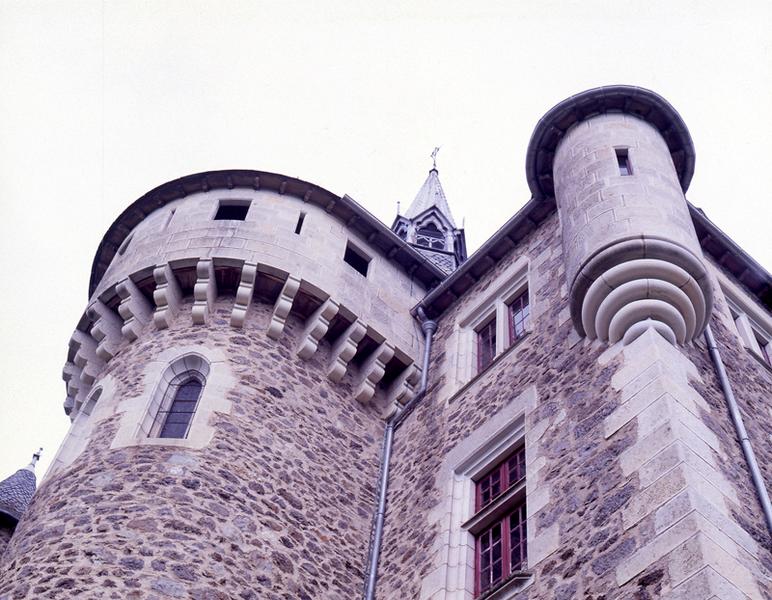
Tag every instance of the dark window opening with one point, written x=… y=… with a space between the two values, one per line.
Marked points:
x=623 y=160
x=519 y=312
x=764 y=346
x=169 y=218
x=232 y=210
x=125 y=245
x=431 y=237
x=299 y=224
x=486 y=344
x=176 y=420
x=356 y=259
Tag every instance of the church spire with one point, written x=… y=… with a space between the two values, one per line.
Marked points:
x=428 y=224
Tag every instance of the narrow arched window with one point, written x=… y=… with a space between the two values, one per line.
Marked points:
x=172 y=407
x=175 y=421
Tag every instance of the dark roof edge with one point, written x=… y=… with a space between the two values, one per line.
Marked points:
x=637 y=101
x=730 y=256
x=520 y=224
x=752 y=276
x=348 y=210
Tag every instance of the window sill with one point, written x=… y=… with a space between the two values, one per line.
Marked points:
x=516 y=582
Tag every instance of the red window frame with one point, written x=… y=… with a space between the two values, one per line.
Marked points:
x=503 y=476
x=519 y=314
x=501 y=548
x=486 y=344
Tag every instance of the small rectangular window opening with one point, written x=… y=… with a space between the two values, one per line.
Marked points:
x=519 y=314
x=169 y=218
x=356 y=259
x=765 y=346
x=486 y=344
x=299 y=225
x=232 y=210
x=125 y=245
x=623 y=160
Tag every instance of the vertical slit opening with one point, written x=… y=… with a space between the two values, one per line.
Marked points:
x=623 y=161
x=169 y=218
x=299 y=224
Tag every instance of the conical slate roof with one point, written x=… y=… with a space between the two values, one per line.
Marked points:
x=16 y=491
x=431 y=194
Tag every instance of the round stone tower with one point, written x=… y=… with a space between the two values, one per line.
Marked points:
x=618 y=160
x=245 y=335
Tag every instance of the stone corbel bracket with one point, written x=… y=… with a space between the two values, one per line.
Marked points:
x=204 y=292
x=106 y=330
x=167 y=296
x=345 y=349
x=282 y=307
x=402 y=390
x=85 y=356
x=316 y=326
x=89 y=352
x=244 y=294
x=134 y=309
x=372 y=371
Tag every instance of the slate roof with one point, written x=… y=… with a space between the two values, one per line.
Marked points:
x=16 y=492
x=431 y=194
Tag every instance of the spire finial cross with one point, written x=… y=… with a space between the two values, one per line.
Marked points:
x=434 y=157
x=35 y=459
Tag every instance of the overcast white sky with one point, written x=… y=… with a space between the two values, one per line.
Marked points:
x=101 y=102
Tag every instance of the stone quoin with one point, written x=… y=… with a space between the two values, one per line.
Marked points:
x=273 y=395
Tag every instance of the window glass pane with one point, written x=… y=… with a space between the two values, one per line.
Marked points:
x=486 y=344
x=490 y=487
x=177 y=418
x=764 y=346
x=519 y=311
x=174 y=430
x=517 y=539
x=516 y=467
x=491 y=563
x=188 y=391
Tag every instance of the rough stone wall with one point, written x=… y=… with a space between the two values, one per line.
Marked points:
x=751 y=382
x=5 y=538
x=587 y=490
x=277 y=506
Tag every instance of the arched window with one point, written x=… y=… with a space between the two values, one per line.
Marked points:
x=174 y=422
x=91 y=402
x=428 y=235
x=175 y=400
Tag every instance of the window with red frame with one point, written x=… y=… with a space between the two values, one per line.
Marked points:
x=486 y=344
x=519 y=311
x=501 y=546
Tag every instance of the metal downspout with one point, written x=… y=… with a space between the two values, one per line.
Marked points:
x=429 y=327
x=742 y=434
